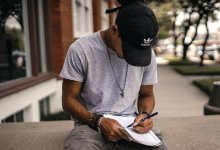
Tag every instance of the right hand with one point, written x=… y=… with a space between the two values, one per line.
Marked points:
x=110 y=128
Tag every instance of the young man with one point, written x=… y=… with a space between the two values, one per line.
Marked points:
x=111 y=72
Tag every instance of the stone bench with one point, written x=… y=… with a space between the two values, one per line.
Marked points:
x=191 y=133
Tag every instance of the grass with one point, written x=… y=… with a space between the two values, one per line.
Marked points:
x=173 y=61
x=206 y=85
x=191 y=68
x=198 y=70
x=187 y=67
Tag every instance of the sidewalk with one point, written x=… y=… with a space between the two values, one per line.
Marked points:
x=176 y=96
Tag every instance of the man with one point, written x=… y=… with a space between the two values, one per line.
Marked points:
x=111 y=72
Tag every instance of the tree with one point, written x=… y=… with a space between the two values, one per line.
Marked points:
x=175 y=32
x=161 y=9
x=189 y=8
x=203 y=9
x=207 y=9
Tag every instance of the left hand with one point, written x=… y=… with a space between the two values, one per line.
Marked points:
x=142 y=127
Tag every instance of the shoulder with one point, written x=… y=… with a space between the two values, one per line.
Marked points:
x=84 y=44
x=88 y=40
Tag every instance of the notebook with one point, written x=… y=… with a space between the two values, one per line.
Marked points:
x=149 y=138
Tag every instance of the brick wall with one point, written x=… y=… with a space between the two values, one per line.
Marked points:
x=96 y=6
x=60 y=30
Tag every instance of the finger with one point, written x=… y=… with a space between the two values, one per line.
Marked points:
x=143 y=129
x=113 y=137
x=116 y=134
x=138 y=119
x=121 y=135
x=146 y=122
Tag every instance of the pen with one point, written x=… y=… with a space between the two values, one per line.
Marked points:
x=142 y=120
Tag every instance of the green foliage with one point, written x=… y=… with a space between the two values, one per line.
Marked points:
x=162 y=9
x=191 y=68
x=206 y=85
x=198 y=70
x=17 y=37
x=57 y=116
x=158 y=1
x=182 y=63
x=205 y=10
x=178 y=61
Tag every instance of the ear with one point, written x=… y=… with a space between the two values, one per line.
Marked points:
x=114 y=29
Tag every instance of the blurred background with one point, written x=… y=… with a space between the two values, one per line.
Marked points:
x=35 y=36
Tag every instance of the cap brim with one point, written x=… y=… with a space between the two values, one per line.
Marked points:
x=136 y=56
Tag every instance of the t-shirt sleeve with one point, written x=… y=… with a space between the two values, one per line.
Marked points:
x=74 y=67
x=150 y=72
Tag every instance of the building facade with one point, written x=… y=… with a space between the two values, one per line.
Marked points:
x=34 y=38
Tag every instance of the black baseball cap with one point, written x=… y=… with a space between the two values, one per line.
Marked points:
x=138 y=27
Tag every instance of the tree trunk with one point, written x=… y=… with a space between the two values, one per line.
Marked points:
x=185 y=47
x=205 y=41
x=174 y=28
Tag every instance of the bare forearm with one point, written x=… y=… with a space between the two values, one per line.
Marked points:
x=77 y=110
x=146 y=103
x=70 y=92
x=146 y=99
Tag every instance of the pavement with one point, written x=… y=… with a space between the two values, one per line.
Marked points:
x=176 y=96
x=180 y=105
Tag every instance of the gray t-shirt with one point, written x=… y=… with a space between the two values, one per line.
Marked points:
x=87 y=61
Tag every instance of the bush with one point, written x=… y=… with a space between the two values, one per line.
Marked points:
x=206 y=85
x=182 y=63
x=198 y=70
x=56 y=116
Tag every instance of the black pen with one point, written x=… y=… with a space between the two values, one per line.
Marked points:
x=142 y=120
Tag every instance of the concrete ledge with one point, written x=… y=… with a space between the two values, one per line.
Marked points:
x=191 y=133
x=34 y=136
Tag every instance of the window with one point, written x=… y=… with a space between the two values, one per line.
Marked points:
x=12 y=48
x=18 y=57
x=23 y=52
x=82 y=17
x=17 y=117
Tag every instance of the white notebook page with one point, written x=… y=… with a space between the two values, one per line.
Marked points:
x=148 y=138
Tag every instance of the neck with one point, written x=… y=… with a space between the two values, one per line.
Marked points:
x=106 y=38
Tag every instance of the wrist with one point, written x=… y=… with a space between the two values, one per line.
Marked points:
x=145 y=112
x=95 y=121
x=100 y=120
x=99 y=123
